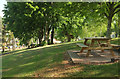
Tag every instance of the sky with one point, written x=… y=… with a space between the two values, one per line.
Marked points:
x=2 y=2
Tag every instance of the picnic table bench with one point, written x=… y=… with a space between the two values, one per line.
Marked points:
x=115 y=46
x=98 y=46
x=81 y=45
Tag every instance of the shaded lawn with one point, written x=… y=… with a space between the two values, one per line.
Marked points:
x=29 y=61
x=116 y=41
x=26 y=62
x=106 y=70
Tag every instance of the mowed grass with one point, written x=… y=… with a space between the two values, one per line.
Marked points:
x=27 y=62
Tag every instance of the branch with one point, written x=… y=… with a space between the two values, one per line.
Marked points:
x=112 y=3
x=106 y=15
x=118 y=6
x=108 y=3
x=107 y=9
x=115 y=12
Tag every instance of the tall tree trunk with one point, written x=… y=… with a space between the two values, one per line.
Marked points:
x=69 y=38
x=48 y=33
x=116 y=32
x=119 y=23
x=40 y=40
x=0 y=34
x=40 y=37
x=109 y=17
x=28 y=44
x=14 y=43
x=52 y=35
x=3 y=49
x=109 y=27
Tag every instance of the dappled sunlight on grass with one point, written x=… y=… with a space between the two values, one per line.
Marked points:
x=6 y=69
x=48 y=61
x=98 y=71
x=29 y=60
x=26 y=64
x=116 y=41
x=58 y=70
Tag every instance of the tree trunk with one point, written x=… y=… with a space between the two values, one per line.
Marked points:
x=116 y=32
x=3 y=49
x=48 y=33
x=109 y=17
x=48 y=40
x=45 y=33
x=52 y=35
x=109 y=27
x=0 y=36
x=40 y=41
x=40 y=37
x=13 y=43
x=69 y=38
x=28 y=44
x=119 y=23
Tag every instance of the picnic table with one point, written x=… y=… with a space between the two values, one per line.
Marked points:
x=96 y=43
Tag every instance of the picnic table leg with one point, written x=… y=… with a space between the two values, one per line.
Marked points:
x=82 y=50
x=108 y=42
x=87 y=55
x=102 y=50
x=85 y=42
x=100 y=45
x=92 y=44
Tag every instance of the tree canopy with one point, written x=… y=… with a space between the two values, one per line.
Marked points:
x=64 y=21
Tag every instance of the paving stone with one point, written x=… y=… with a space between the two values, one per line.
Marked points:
x=95 y=57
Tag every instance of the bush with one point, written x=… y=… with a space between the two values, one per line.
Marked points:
x=43 y=43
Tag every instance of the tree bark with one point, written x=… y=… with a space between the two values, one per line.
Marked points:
x=52 y=35
x=48 y=33
x=13 y=43
x=40 y=41
x=119 y=23
x=109 y=27
x=109 y=17
x=69 y=38
x=40 y=37
x=3 y=49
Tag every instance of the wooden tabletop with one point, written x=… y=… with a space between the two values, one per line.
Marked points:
x=97 y=38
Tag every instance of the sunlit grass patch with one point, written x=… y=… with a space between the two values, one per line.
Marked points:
x=48 y=61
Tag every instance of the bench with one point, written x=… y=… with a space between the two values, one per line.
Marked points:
x=115 y=46
x=73 y=56
x=81 y=45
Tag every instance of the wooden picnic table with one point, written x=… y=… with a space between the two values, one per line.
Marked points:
x=96 y=43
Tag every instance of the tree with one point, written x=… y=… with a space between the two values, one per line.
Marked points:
x=0 y=32
x=111 y=9
x=119 y=23
x=65 y=20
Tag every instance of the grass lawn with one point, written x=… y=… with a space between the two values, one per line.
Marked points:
x=48 y=61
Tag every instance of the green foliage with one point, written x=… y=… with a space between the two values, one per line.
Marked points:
x=70 y=20
x=109 y=10
x=43 y=43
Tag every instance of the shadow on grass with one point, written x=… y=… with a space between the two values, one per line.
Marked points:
x=25 y=62
x=9 y=52
x=108 y=70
